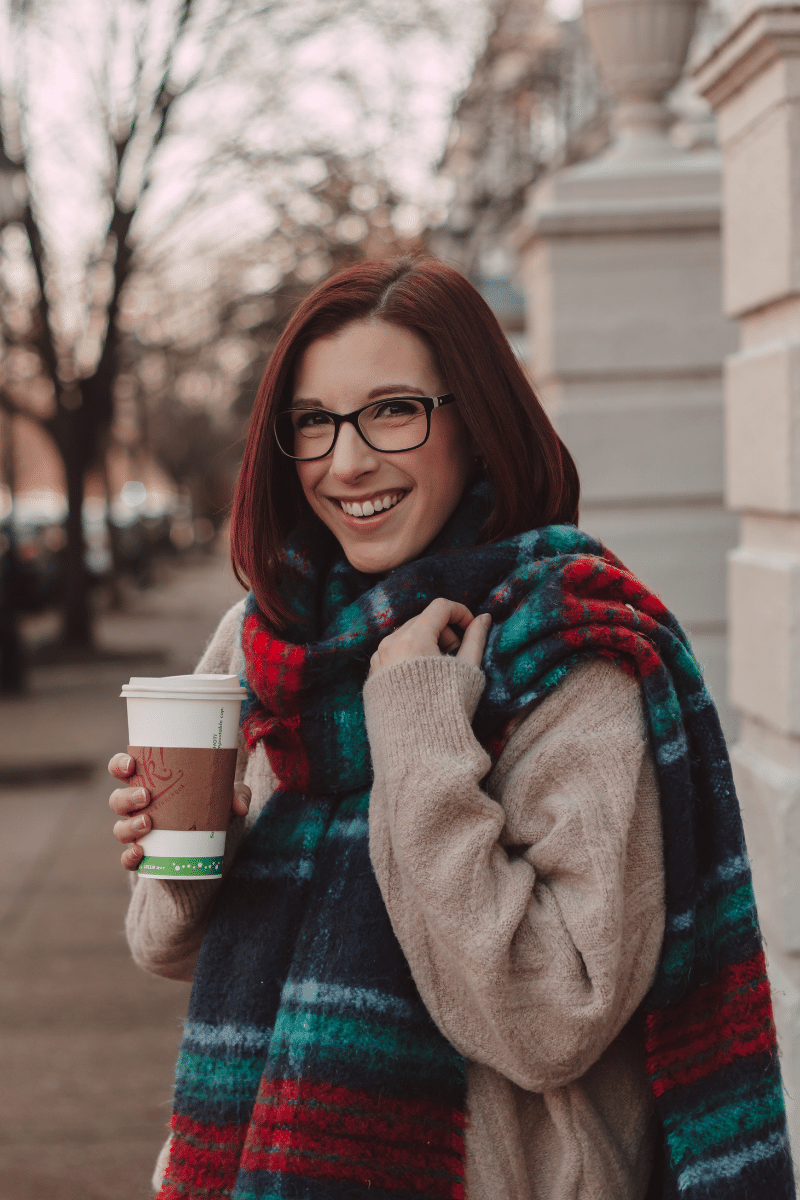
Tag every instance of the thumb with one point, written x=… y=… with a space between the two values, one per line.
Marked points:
x=473 y=643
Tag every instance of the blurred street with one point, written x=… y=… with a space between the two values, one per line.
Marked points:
x=88 y=1042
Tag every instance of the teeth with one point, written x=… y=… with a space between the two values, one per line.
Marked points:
x=370 y=507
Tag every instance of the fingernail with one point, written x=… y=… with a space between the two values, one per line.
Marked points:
x=127 y=764
x=485 y=617
x=136 y=849
x=140 y=823
x=140 y=797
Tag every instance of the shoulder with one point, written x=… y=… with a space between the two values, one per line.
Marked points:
x=224 y=647
x=598 y=701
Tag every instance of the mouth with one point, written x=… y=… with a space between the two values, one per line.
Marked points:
x=365 y=509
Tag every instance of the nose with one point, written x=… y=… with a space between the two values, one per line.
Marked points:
x=351 y=456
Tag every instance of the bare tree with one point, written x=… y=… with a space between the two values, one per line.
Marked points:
x=182 y=112
x=80 y=403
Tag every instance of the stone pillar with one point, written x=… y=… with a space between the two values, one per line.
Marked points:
x=622 y=277
x=752 y=79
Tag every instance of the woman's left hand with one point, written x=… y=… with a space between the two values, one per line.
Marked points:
x=429 y=634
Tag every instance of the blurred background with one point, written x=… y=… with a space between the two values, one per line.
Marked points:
x=621 y=182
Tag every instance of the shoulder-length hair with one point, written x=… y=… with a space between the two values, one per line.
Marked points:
x=534 y=477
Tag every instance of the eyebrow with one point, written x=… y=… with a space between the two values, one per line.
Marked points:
x=385 y=389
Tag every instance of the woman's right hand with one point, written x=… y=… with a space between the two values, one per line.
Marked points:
x=131 y=805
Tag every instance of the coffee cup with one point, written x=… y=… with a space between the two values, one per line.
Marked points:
x=183 y=732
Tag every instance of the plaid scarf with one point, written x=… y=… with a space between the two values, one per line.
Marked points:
x=310 y=1069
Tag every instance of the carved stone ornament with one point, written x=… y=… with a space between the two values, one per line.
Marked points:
x=640 y=47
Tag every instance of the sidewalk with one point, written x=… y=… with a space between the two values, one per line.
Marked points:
x=87 y=1041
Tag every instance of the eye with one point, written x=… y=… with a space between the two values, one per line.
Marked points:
x=398 y=407
x=306 y=419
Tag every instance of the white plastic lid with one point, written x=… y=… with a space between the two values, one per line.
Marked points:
x=188 y=685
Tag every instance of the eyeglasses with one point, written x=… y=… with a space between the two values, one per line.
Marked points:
x=391 y=426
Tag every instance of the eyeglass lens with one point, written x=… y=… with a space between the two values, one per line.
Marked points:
x=400 y=423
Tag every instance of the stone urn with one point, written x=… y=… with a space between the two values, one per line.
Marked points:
x=640 y=47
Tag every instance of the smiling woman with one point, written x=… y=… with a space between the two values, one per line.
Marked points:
x=381 y=330
x=487 y=930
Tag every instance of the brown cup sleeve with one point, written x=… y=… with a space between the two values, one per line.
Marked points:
x=189 y=788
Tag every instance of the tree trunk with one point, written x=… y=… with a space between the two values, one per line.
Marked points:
x=76 y=629
x=115 y=597
x=12 y=654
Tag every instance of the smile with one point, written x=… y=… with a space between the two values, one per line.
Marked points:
x=368 y=508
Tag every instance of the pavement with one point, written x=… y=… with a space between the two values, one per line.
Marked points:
x=87 y=1041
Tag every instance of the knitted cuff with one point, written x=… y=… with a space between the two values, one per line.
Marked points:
x=189 y=900
x=422 y=706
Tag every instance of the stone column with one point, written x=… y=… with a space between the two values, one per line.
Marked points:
x=752 y=79
x=622 y=277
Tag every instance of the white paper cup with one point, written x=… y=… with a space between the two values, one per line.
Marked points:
x=194 y=711
x=183 y=731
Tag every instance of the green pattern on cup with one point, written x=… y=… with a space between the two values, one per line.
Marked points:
x=196 y=867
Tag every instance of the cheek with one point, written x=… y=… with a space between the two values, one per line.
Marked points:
x=309 y=476
x=449 y=464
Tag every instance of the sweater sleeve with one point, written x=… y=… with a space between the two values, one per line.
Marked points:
x=528 y=900
x=166 y=919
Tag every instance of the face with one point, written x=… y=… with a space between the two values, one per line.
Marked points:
x=366 y=361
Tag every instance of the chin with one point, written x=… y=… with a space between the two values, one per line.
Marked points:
x=373 y=564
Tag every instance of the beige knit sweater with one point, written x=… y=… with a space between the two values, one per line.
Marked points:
x=528 y=900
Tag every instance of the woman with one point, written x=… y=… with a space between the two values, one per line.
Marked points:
x=492 y=933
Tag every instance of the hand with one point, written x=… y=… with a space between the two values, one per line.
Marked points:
x=131 y=805
x=430 y=634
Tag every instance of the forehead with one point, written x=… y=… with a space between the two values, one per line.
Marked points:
x=361 y=357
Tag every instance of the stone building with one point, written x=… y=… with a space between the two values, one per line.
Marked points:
x=660 y=276
x=751 y=77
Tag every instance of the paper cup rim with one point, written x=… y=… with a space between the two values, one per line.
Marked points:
x=184 y=687
x=152 y=695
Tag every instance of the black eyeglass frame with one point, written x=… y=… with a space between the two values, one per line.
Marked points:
x=429 y=403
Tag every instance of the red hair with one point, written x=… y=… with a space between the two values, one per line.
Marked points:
x=534 y=477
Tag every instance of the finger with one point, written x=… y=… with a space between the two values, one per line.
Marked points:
x=448 y=640
x=121 y=766
x=132 y=828
x=241 y=799
x=443 y=612
x=474 y=641
x=125 y=800
x=131 y=857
